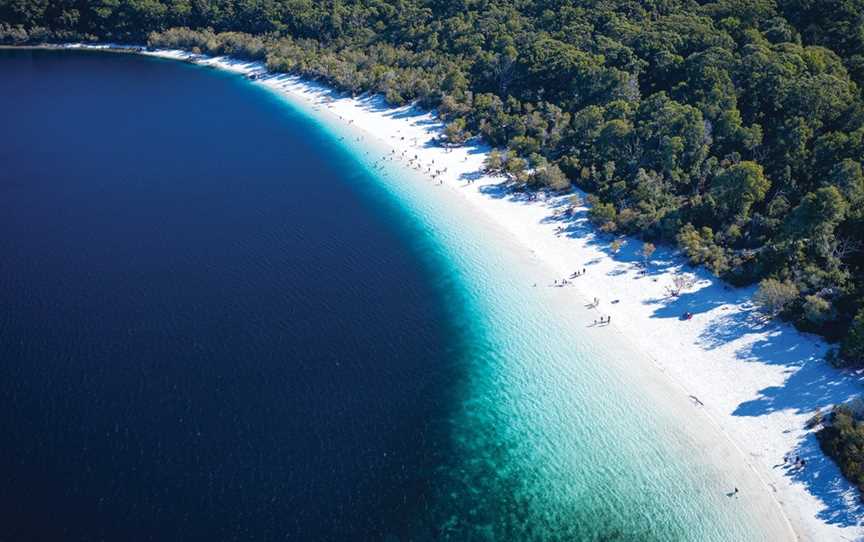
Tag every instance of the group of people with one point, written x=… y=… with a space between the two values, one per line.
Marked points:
x=595 y=302
x=414 y=162
x=566 y=281
x=799 y=462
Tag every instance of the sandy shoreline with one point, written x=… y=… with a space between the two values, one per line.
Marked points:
x=757 y=382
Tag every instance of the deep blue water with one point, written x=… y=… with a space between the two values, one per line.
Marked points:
x=213 y=325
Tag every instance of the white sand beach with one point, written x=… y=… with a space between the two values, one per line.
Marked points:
x=757 y=382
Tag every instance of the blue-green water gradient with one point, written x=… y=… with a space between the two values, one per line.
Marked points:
x=220 y=321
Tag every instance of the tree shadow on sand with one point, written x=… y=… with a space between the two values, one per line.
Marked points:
x=730 y=326
x=474 y=176
x=501 y=190
x=810 y=384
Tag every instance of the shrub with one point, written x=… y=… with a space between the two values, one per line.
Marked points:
x=552 y=177
x=816 y=309
x=773 y=295
x=602 y=213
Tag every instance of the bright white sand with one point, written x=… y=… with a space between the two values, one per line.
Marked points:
x=758 y=382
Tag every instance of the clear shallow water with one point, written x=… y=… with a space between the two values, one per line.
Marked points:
x=218 y=322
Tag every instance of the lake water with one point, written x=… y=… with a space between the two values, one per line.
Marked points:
x=219 y=322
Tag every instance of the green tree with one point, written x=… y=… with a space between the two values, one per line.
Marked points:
x=517 y=169
x=455 y=133
x=740 y=186
x=646 y=252
x=551 y=176
x=773 y=295
x=848 y=177
x=852 y=348
x=814 y=221
x=603 y=214
x=494 y=162
x=816 y=309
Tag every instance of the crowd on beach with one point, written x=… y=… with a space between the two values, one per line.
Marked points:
x=432 y=171
x=595 y=303
x=414 y=162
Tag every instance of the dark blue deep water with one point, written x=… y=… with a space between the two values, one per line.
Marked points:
x=213 y=325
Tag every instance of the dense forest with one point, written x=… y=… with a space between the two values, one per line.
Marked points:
x=734 y=128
